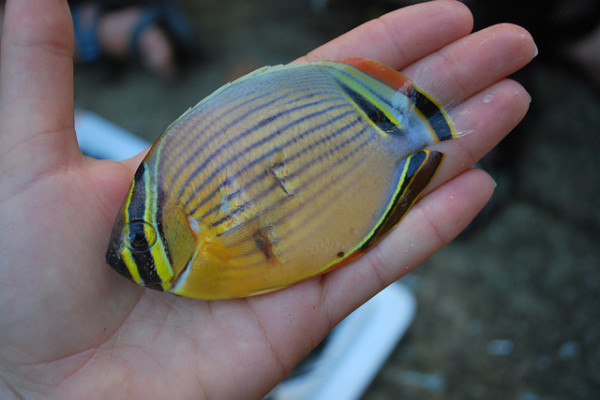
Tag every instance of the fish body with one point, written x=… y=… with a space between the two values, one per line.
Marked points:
x=277 y=177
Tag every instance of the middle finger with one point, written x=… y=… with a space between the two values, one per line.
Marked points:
x=472 y=63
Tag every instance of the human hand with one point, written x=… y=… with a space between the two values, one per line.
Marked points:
x=71 y=327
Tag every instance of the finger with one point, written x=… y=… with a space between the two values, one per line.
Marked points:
x=401 y=37
x=36 y=76
x=432 y=223
x=488 y=117
x=304 y=313
x=472 y=63
x=444 y=210
x=473 y=68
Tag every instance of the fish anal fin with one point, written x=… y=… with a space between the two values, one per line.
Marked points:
x=416 y=171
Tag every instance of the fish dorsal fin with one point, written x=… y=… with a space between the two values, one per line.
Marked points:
x=381 y=72
x=420 y=102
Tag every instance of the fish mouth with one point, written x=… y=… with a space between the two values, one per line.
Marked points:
x=114 y=261
x=155 y=286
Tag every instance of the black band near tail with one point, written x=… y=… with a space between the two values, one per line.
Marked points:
x=433 y=113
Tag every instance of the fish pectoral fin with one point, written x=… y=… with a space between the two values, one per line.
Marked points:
x=415 y=172
x=256 y=235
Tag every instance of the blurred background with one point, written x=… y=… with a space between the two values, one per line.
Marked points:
x=509 y=310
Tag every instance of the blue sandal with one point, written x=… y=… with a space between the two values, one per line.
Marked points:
x=176 y=27
x=87 y=45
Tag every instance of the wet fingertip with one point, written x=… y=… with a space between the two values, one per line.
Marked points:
x=460 y=6
x=520 y=91
x=522 y=36
x=525 y=35
x=481 y=185
x=494 y=183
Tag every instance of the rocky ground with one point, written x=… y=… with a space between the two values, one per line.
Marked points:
x=511 y=310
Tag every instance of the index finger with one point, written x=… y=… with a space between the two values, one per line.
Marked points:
x=401 y=37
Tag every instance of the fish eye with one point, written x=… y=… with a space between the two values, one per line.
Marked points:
x=140 y=236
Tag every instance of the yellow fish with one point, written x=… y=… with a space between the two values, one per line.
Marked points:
x=278 y=177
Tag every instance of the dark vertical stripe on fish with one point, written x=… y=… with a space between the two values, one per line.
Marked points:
x=137 y=202
x=432 y=112
x=374 y=113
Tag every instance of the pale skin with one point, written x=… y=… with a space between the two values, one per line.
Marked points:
x=71 y=327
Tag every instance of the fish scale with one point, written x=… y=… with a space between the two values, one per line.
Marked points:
x=273 y=123
x=227 y=126
x=277 y=177
x=255 y=157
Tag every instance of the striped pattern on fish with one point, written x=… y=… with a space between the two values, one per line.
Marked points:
x=277 y=177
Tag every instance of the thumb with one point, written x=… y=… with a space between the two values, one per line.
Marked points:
x=36 y=83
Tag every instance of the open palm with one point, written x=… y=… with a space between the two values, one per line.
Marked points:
x=71 y=327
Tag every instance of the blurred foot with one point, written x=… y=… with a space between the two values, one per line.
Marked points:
x=148 y=35
x=115 y=33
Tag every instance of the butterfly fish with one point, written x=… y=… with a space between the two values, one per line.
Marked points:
x=279 y=176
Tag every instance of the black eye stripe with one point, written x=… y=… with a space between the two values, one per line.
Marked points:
x=137 y=239
x=137 y=202
x=140 y=239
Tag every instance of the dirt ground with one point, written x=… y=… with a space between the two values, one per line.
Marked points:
x=511 y=310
